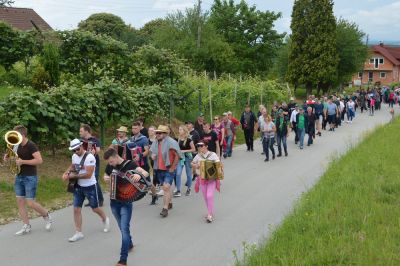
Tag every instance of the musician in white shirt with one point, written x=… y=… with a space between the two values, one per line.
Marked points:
x=82 y=169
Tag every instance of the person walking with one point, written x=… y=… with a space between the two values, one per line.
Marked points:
x=282 y=132
x=26 y=181
x=207 y=186
x=122 y=205
x=310 y=125
x=230 y=131
x=268 y=131
x=350 y=111
x=293 y=122
x=248 y=120
x=187 y=148
x=372 y=106
x=301 y=127
x=218 y=128
x=333 y=113
x=82 y=171
x=166 y=154
x=92 y=145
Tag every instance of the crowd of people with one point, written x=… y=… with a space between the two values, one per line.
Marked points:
x=160 y=157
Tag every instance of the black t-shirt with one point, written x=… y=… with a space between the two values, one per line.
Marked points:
x=144 y=132
x=195 y=136
x=185 y=145
x=26 y=153
x=122 y=185
x=211 y=138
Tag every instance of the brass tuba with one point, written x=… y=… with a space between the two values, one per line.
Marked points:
x=12 y=139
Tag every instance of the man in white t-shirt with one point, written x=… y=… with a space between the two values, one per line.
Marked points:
x=82 y=172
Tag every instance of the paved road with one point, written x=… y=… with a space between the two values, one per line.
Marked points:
x=255 y=198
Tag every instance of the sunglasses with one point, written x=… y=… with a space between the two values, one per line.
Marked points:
x=216 y=119
x=76 y=150
x=159 y=133
x=200 y=146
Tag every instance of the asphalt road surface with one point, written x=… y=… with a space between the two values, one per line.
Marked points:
x=255 y=197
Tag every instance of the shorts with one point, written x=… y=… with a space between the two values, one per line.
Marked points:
x=90 y=192
x=320 y=118
x=26 y=186
x=165 y=177
x=331 y=119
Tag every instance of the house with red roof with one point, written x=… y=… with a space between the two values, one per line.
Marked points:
x=23 y=19
x=382 y=66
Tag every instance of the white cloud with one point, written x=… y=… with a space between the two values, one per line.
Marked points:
x=172 y=5
x=380 y=23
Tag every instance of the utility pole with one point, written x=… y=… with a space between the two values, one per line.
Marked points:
x=198 y=24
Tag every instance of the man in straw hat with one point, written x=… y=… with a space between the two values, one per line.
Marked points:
x=166 y=154
x=119 y=143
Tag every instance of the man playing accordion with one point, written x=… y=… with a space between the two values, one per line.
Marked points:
x=120 y=142
x=122 y=174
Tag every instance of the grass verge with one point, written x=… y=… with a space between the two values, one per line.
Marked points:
x=351 y=217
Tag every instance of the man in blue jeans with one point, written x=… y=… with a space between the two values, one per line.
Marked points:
x=166 y=154
x=230 y=132
x=121 y=202
x=85 y=133
x=26 y=181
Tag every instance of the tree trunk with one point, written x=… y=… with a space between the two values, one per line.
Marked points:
x=309 y=89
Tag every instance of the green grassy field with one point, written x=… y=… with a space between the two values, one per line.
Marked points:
x=351 y=217
x=51 y=193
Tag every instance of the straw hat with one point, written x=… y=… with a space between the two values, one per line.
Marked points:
x=122 y=129
x=162 y=129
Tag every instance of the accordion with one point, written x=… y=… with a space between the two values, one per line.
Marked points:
x=210 y=170
x=137 y=151
x=129 y=190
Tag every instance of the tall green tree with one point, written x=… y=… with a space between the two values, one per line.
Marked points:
x=351 y=49
x=250 y=32
x=91 y=57
x=281 y=61
x=50 y=60
x=178 y=32
x=9 y=46
x=313 y=56
x=104 y=23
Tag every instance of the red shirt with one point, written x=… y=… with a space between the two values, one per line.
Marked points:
x=161 y=162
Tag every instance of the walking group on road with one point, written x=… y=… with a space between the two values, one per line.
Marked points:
x=152 y=160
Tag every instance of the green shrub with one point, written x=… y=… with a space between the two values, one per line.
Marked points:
x=40 y=79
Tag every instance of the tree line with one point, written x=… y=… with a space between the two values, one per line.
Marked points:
x=321 y=52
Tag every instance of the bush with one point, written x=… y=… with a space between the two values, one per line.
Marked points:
x=51 y=63
x=40 y=79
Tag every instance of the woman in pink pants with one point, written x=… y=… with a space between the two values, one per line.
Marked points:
x=207 y=186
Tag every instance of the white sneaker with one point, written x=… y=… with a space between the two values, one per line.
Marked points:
x=160 y=193
x=106 y=225
x=49 y=222
x=26 y=228
x=76 y=237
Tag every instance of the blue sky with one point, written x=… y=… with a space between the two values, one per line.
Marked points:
x=378 y=18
